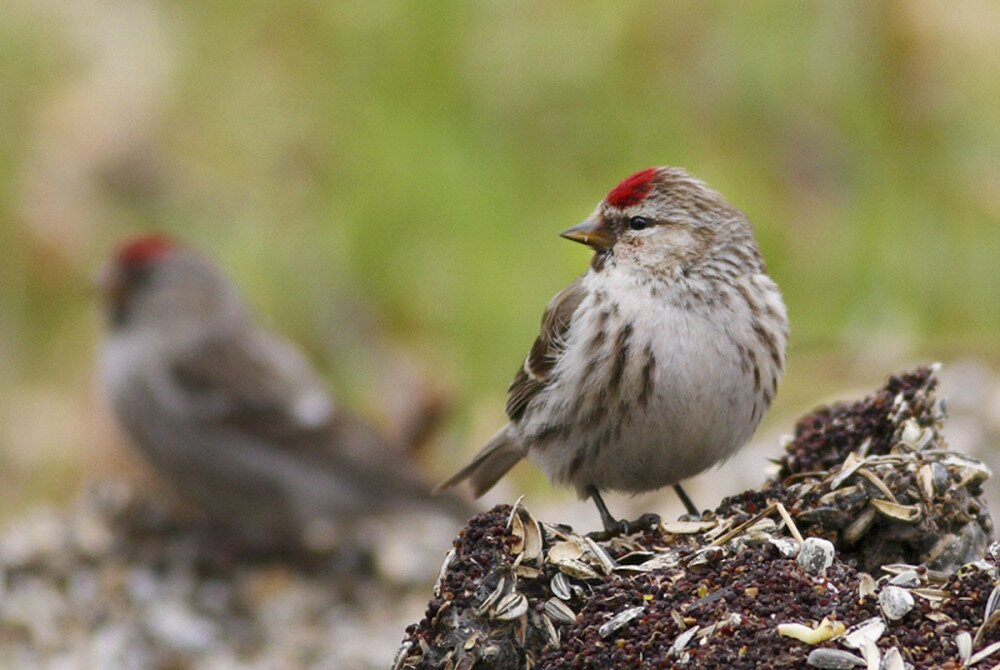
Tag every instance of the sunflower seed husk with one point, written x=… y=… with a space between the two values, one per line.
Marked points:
x=984 y=653
x=992 y=603
x=934 y=595
x=866 y=585
x=619 y=621
x=683 y=639
x=636 y=557
x=925 y=475
x=559 y=611
x=564 y=551
x=527 y=534
x=834 y=659
x=877 y=482
x=527 y=572
x=909 y=578
x=721 y=529
x=551 y=632
x=940 y=477
x=513 y=510
x=849 y=467
x=859 y=526
x=578 y=569
x=904 y=513
x=492 y=598
x=892 y=660
x=604 y=560
x=560 y=586
x=566 y=556
x=787 y=548
x=964 y=643
x=870 y=652
x=443 y=571
x=702 y=556
x=870 y=629
x=687 y=527
x=511 y=606
x=988 y=624
x=864 y=448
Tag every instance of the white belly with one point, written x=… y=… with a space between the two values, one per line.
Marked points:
x=702 y=401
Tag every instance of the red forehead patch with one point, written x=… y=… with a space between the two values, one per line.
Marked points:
x=633 y=190
x=144 y=249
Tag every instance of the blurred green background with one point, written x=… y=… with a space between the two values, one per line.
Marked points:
x=387 y=180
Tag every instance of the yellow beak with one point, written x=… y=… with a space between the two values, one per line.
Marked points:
x=592 y=232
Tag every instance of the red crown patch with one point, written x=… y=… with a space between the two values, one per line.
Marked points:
x=632 y=190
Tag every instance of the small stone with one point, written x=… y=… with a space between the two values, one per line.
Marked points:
x=816 y=555
x=895 y=602
x=179 y=628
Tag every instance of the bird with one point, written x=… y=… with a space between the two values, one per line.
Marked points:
x=234 y=417
x=657 y=362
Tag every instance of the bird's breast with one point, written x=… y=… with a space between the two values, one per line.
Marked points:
x=653 y=387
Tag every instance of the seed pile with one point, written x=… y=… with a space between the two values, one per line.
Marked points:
x=876 y=478
x=825 y=437
x=782 y=577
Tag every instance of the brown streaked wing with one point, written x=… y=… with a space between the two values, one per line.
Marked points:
x=534 y=374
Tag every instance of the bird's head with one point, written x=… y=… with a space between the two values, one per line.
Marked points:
x=663 y=220
x=154 y=281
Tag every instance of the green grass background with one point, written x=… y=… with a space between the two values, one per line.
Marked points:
x=403 y=168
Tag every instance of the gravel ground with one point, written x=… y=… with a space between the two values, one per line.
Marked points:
x=113 y=583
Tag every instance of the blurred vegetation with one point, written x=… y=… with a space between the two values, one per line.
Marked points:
x=403 y=169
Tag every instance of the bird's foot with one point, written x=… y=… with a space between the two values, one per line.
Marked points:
x=620 y=527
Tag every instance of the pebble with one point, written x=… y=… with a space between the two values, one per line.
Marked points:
x=816 y=555
x=895 y=602
x=178 y=628
x=110 y=582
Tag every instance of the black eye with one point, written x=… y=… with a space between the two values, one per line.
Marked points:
x=638 y=223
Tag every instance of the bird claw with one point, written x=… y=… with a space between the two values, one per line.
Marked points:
x=620 y=527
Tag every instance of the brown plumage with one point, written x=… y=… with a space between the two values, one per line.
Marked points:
x=656 y=363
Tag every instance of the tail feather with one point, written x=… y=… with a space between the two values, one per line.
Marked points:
x=492 y=462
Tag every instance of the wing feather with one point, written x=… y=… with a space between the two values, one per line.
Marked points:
x=262 y=386
x=536 y=372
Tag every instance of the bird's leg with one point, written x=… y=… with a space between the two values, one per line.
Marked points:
x=615 y=527
x=610 y=523
x=686 y=501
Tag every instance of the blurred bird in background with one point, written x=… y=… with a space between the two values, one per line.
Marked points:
x=234 y=417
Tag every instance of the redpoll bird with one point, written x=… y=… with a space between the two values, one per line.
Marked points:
x=656 y=363
x=234 y=417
